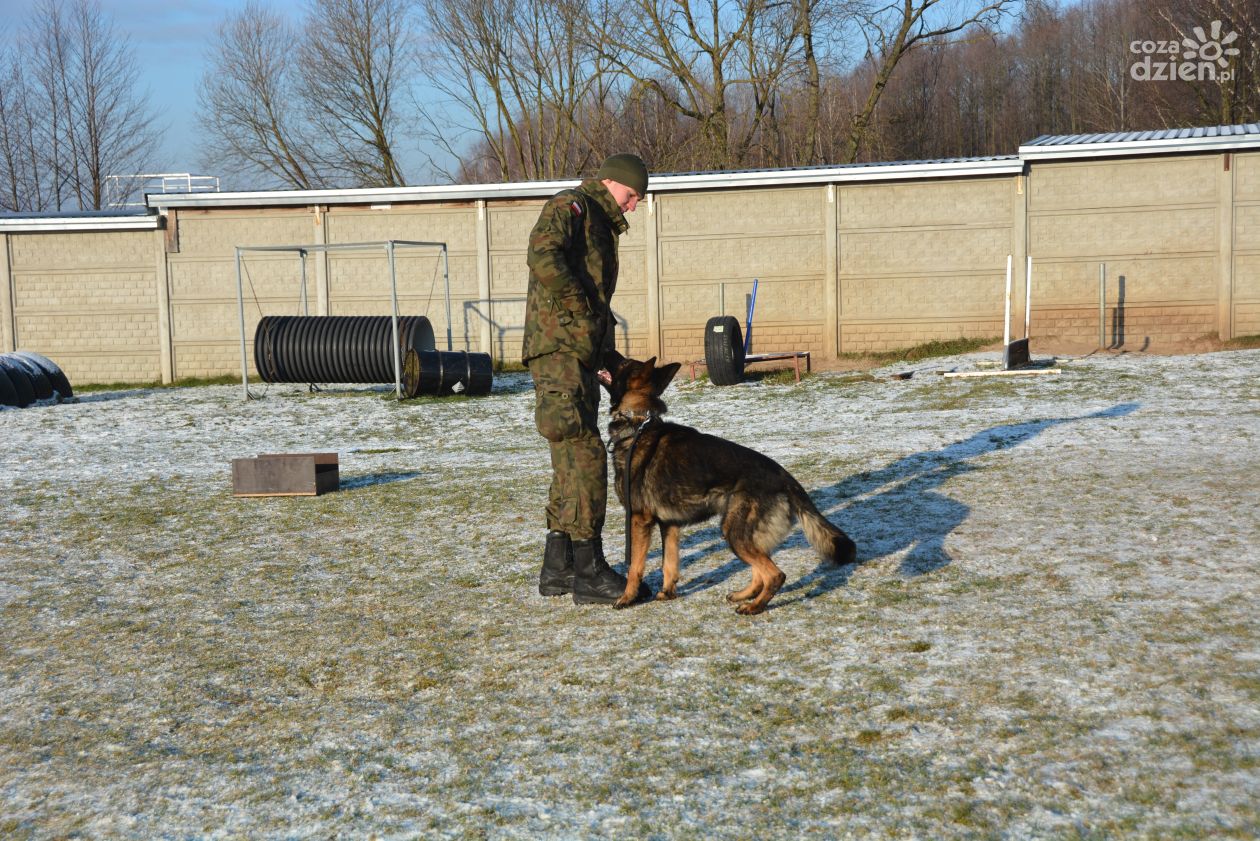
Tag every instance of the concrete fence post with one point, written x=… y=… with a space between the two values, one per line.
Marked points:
x=1021 y=248
x=831 y=336
x=652 y=268
x=1225 y=254
x=484 y=328
x=162 y=282
x=320 y=237
x=8 y=324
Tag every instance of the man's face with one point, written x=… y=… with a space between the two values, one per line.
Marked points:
x=625 y=197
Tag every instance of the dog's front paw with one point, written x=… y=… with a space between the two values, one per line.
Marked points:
x=666 y=595
x=625 y=601
x=751 y=609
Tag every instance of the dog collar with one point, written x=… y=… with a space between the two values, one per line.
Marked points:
x=637 y=422
x=636 y=418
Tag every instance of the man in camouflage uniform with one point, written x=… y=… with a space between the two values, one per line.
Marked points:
x=568 y=326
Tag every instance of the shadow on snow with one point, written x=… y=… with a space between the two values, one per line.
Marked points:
x=352 y=482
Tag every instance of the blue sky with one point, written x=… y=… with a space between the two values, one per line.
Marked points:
x=171 y=39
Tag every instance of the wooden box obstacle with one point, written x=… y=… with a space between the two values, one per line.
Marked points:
x=286 y=474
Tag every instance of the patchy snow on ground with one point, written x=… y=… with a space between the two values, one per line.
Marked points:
x=1051 y=631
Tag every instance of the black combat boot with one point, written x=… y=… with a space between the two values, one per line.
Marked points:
x=556 y=578
x=594 y=581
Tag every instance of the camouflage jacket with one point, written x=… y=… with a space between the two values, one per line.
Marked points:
x=572 y=275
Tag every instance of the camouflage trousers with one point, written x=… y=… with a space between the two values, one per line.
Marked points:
x=567 y=414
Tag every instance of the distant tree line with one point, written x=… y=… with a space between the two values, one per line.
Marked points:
x=527 y=89
x=701 y=84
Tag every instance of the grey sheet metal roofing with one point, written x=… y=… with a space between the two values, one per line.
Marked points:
x=660 y=183
x=1159 y=141
x=1158 y=134
x=139 y=219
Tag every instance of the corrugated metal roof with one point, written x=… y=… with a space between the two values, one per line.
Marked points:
x=91 y=220
x=925 y=162
x=1158 y=134
x=1157 y=141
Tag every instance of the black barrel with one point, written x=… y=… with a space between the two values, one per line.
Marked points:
x=21 y=383
x=335 y=348
x=60 y=382
x=441 y=372
x=8 y=394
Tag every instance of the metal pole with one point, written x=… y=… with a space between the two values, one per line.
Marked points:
x=305 y=309
x=752 y=305
x=240 y=311
x=1027 y=296
x=446 y=275
x=1006 y=318
x=1102 y=305
x=393 y=291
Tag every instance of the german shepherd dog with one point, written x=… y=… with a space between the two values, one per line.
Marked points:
x=681 y=476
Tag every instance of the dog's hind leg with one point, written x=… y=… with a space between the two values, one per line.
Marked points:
x=640 y=538
x=765 y=573
x=738 y=527
x=669 y=563
x=750 y=592
x=747 y=530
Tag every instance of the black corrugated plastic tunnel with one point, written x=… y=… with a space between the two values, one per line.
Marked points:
x=335 y=348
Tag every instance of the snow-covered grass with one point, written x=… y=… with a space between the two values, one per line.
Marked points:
x=1052 y=632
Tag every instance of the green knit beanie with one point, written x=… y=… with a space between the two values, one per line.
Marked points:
x=625 y=169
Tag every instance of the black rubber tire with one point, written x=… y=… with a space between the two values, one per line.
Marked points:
x=21 y=382
x=39 y=382
x=57 y=377
x=724 y=350
x=8 y=394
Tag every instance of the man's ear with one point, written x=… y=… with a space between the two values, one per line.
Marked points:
x=613 y=361
x=661 y=377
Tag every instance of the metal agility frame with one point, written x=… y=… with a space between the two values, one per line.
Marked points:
x=302 y=250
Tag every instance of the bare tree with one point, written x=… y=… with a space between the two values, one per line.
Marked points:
x=894 y=29
x=92 y=122
x=525 y=79
x=117 y=129
x=711 y=52
x=315 y=106
x=1222 y=40
x=49 y=55
x=1102 y=93
x=20 y=173
x=355 y=62
x=250 y=105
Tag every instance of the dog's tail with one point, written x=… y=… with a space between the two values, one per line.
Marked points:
x=831 y=543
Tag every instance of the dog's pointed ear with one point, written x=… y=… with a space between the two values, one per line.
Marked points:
x=661 y=377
